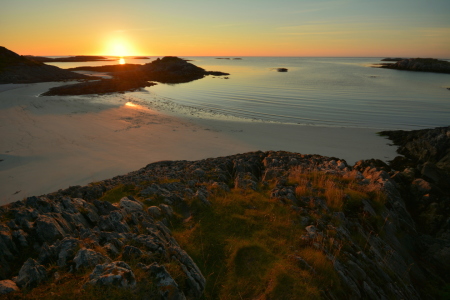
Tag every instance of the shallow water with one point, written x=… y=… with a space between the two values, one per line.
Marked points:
x=343 y=92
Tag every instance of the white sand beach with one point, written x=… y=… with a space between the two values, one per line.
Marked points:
x=49 y=143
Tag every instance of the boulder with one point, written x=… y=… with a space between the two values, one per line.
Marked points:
x=130 y=205
x=88 y=258
x=66 y=250
x=31 y=274
x=154 y=211
x=167 y=287
x=48 y=229
x=166 y=209
x=117 y=273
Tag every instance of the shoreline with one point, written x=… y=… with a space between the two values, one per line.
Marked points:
x=51 y=143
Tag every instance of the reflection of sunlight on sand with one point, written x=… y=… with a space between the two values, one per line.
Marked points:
x=132 y=105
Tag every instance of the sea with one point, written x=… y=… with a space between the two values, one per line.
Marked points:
x=315 y=91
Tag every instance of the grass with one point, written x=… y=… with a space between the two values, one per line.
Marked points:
x=243 y=244
x=115 y=194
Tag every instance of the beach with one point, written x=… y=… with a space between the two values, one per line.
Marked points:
x=50 y=143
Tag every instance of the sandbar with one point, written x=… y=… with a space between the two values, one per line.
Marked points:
x=53 y=142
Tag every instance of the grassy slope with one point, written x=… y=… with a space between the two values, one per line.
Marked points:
x=246 y=245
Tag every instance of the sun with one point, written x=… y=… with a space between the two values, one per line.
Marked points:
x=120 y=48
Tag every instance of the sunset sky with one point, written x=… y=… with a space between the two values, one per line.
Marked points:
x=407 y=28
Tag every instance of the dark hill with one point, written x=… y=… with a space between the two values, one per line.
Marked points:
x=15 y=68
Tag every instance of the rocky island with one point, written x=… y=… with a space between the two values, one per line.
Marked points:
x=418 y=64
x=392 y=59
x=266 y=225
x=129 y=77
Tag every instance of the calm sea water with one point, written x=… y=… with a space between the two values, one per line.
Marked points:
x=343 y=92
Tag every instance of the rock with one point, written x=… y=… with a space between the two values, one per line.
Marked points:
x=66 y=251
x=131 y=252
x=48 y=229
x=111 y=249
x=200 y=196
x=167 y=287
x=282 y=69
x=130 y=205
x=31 y=274
x=166 y=209
x=431 y=171
x=245 y=181
x=113 y=222
x=8 y=286
x=104 y=207
x=421 y=186
x=116 y=273
x=86 y=258
x=154 y=211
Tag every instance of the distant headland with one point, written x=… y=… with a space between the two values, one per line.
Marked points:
x=78 y=58
x=20 y=69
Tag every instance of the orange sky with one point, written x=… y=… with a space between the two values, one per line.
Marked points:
x=409 y=28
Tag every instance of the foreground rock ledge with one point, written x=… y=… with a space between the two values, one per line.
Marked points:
x=72 y=231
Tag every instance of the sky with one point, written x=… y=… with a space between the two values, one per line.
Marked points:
x=352 y=28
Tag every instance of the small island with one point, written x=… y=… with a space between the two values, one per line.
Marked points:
x=418 y=64
x=392 y=59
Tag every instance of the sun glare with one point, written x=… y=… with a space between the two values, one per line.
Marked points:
x=119 y=47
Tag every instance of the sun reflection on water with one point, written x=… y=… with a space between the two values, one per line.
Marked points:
x=122 y=61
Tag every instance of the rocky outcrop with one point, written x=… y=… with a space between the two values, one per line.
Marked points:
x=378 y=250
x=419 y=64
x=423 y=146
x=19 y=69
x=75 y=235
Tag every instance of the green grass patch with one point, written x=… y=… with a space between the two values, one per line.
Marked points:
x=243 y=243
x=115 y=194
